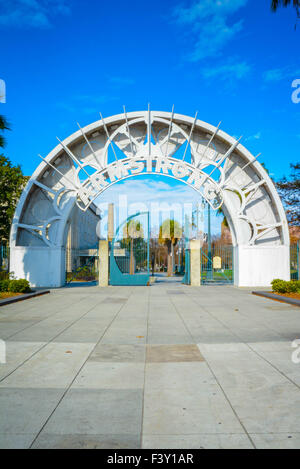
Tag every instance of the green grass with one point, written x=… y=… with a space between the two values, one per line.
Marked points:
x=227 y=274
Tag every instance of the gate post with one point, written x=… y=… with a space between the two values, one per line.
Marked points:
x=195 y=263
x=103 y=263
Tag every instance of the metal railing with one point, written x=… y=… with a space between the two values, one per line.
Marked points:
x=217 y=264
x=81 y=265
x=4 y=260
x=294 y=261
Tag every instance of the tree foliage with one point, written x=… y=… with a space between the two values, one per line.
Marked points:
x=170 y=232
x=12 y=183
x=4 y=125
x=275 y=4
x=289 y=190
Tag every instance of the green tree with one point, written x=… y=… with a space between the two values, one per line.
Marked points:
x=170 y=232
x=275 y=4
x=289 y=190
x=12 y=183
x=133 y=230
x=4 y=125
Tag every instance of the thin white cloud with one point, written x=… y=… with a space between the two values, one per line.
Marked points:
x=209 y=22
x=278 y=74
x=227 y=71
x=32 y=13
x=256 y=136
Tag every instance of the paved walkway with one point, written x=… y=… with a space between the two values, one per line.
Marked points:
x=166 y=366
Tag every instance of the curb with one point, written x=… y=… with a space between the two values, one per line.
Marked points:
x=273 y=296
x=27 y=296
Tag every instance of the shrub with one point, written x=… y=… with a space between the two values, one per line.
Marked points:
x=4 y=284
x=19 y=286
x=282 y=286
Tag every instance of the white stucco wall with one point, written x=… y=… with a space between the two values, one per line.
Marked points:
x=36 y=258
x=257 y=266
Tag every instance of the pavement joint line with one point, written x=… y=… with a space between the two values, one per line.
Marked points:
x=79 y=371
x=275 y=367
x=25 y=310
x=144 y=387
x=220 y=386
x=45 y=345
x=50 y=316
x=254 y=351
x=257 y=321
x=250 y=348
x=226 y=326
x=37 y=322
x=231 y=406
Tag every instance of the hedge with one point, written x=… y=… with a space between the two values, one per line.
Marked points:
x=15 y=286
x=283 y=286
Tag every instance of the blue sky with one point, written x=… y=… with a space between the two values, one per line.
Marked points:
x=232 y=60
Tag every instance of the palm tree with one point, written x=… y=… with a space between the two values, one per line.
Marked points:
x=132 y=230
x=4 y=125
x=284 y=3
x=170 y=232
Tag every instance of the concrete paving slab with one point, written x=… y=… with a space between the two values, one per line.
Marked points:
x=105 y=375
x=25 y=411
x=217 y=441
x=16 y=441
x=160 y=338
x=276 y=440
x=84 y=331
x=118 y=353
x=173 y=353
x=172 y=412
x=184 y=376
x=49 y=441
x=55 y=366
x=97 y=412
x=17 y=353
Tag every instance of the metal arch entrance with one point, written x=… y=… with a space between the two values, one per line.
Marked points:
x=151 y=142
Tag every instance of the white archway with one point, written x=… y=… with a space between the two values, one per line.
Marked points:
x=104 y=152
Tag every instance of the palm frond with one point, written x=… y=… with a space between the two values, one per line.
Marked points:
x=4 y=125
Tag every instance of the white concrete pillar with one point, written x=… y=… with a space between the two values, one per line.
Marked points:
x=103 y=263
x=195 y=263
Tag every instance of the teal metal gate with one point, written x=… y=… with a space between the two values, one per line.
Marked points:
x=186 y=278
x=217 y=264
x=130 y=251
x=187 y=261
x=4 y=257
